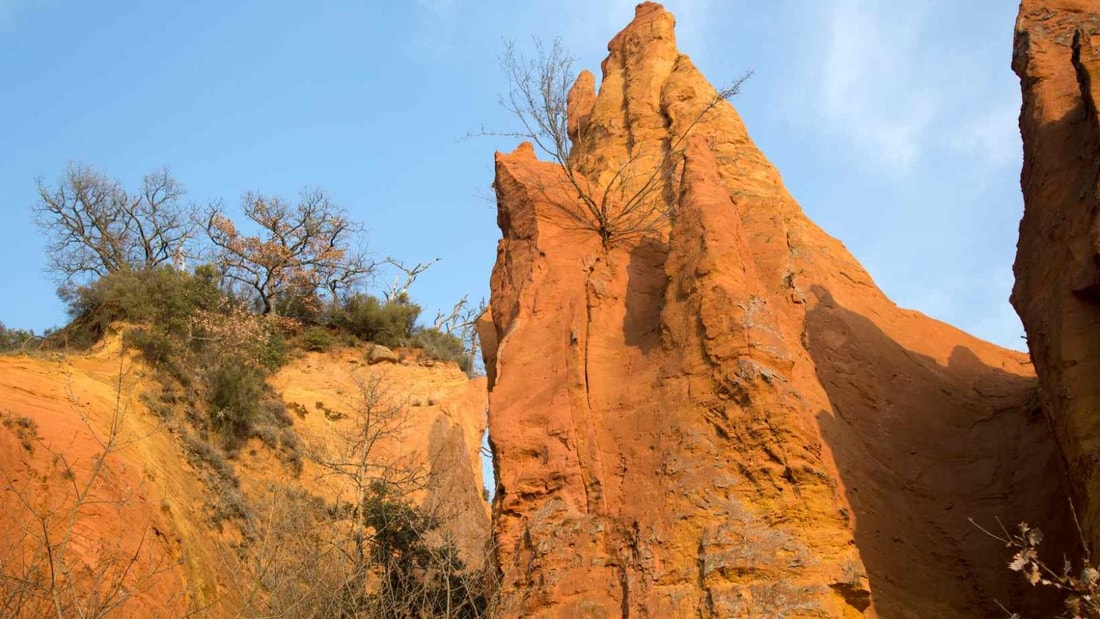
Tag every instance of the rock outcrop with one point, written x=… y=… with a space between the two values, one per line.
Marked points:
x=713 y=411
x=1057 y=292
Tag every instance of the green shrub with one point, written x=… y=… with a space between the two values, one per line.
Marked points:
x=155 y=345
x=234 y=394
x=441 y=346
x=417 y=577
x=163 y=297
x=389 y=324
x=12 y=339
x=275 y=353
x=317 y=339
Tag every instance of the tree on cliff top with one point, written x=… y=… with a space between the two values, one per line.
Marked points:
x=94 y=227
x=626 y=203
x=301 y=251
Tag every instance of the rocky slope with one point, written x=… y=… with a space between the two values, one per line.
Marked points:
x=717 y=413
x=1057 y=292
x=146 y=523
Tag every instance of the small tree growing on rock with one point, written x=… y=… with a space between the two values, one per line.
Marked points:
x=626 y=203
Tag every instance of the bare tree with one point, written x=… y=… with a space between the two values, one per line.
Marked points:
x=622 y=202
x=461 y=322
x=399 y=289
x=95 y=227
x=300 y=252
x=357 y=459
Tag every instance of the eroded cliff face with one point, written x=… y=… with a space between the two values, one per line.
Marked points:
x=437 y=433
x=1057 y=292
x=141 y=541
x=110 y=525
x=719 y=414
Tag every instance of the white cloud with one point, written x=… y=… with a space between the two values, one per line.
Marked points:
x=871 y=92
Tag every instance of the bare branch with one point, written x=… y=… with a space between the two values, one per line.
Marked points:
x=628 y=203
x=93 y=227
x=398 y=288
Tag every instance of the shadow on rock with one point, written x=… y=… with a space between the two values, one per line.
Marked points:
x=922 y=448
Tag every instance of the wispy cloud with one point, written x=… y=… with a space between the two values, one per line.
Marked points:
x=870 y=93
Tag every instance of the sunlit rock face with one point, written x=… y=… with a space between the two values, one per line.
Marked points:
x=136 y=531
x=718 y=413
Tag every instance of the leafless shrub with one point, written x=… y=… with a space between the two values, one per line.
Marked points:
x=371 y=552
x=461 y=322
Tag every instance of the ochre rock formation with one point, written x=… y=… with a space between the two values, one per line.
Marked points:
x=438 y=431
x=1057 y=292
x=714 y=411
x=145 y=527
x=112 y=524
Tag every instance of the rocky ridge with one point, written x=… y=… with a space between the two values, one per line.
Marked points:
x=722 y=415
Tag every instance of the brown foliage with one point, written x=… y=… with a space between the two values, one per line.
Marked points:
x=301 y=251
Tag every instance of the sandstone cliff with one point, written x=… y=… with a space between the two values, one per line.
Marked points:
x=152 y=531
x=719 y=414
x=440 y=431
x=1057 y=292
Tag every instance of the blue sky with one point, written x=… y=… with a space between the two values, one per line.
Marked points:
x=894 y=124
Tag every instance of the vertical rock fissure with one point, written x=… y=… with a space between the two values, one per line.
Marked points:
x=625 y=106
x=587 y=333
